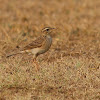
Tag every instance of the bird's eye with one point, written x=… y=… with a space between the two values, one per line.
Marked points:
x=47 y=29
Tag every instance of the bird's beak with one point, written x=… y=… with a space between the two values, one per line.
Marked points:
x=53 y=28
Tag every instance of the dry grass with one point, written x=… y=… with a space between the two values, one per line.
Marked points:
x=70 y=70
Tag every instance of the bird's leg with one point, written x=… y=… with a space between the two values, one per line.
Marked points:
x=37 y=66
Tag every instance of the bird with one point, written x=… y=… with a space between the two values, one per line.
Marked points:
x=39 y=46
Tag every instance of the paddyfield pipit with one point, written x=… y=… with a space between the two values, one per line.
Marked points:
x=38 y=46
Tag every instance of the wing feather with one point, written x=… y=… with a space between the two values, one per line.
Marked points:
x=35 y=44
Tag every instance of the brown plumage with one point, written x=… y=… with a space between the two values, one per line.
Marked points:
x=39 y=46
x=37 y=43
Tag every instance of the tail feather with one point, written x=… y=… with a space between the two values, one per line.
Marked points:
x=13 y=54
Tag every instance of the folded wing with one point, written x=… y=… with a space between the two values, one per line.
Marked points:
x=35 y=44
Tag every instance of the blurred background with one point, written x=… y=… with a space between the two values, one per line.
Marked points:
x=69 y=16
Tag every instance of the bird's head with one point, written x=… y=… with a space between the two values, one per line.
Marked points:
x=47 y=30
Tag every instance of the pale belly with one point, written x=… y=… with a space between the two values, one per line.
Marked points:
x=35 y=50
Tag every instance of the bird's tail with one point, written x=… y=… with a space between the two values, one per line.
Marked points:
x=13 y=54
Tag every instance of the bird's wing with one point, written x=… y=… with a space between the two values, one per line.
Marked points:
x=35 y=44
